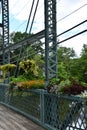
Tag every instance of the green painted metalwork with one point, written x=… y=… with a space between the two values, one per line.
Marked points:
x=54 y=112
x=50 y=40
x=5 y=24
x=51 y=109
x=3 y=92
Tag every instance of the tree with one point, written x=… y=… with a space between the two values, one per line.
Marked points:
x=83 y=63
x=15 y=37
x=79 y=66
x=84 y=51
x=75 y=70
x=65 y=55
x=18 y=36
x=29 y=51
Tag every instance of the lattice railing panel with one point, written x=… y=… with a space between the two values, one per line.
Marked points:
x=54 y=112
x=28 y=102
x=65 y=113
x=51 y=110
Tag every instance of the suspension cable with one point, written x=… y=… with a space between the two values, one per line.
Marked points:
x=34 y=16
x=30 y=15
x=73 y=12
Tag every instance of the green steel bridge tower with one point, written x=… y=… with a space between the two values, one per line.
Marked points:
x=5 y=30
x=50 y=40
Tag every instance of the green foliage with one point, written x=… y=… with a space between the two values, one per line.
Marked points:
x=84 y=84
x=7 y=68
x=38 y=60
x=31 y=84
x=29 y=76
x=78 y=66
x=64 y=54
x=54 y=81
x=29 y=66
x=40 y=74
x=19 y=36
x=67 y=86
x=71 y=66
x=62 y=72
x=64 y=84
x=84 y=51
x=18 y=79
x=40 y=63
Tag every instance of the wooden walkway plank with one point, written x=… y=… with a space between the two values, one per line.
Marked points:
x=10 y=120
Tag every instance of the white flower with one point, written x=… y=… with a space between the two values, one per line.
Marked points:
x=83 y=94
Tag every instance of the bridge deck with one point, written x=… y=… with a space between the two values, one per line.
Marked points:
x=10 y=120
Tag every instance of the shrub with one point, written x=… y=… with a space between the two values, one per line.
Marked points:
x=71 y=87
x=75 y=89
x=18 y=79
x=68 y=86
x=7 y=68
x=33 y=84
x=29 y=66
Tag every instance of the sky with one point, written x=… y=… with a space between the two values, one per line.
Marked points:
x=69 y=14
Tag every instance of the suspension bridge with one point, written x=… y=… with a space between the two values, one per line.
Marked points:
x=47 y=109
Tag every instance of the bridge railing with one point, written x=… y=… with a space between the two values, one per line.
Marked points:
x=52 y=111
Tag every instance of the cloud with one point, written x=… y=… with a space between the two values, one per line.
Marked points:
x=76 y=43
x=73 y=19
x=21 y=9
x=23 y=12
x=65 y=8
x=69 y=13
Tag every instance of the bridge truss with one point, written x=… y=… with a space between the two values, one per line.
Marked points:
x=51 y=107
x=49 y=33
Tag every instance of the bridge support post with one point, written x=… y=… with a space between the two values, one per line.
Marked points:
x=50 y=60
x=5 y=28
x=50 y=40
